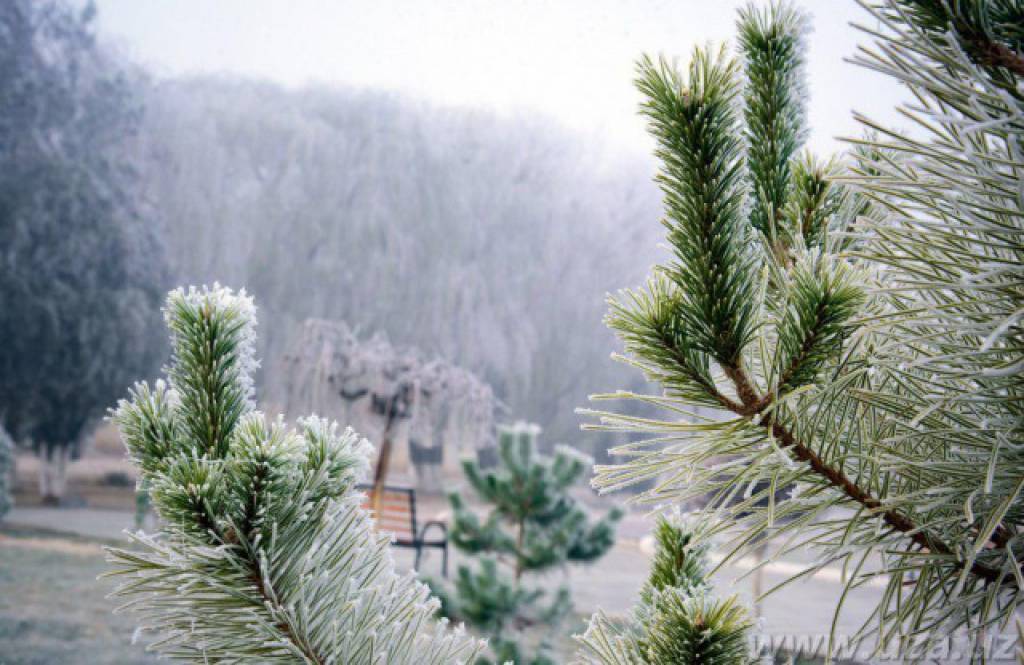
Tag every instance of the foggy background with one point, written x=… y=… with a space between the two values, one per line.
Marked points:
x=570 y=60
x=469 y=178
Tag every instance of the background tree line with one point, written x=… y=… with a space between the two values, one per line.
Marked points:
x=490 y=241
x=486 y=239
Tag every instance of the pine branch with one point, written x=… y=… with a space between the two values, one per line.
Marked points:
x=213 y=350
x=677 y=619
x=648 y=324
x=269 y=596
x=822 y=296
x=815 y=200
x=533 y=525
x=911 y=422
x=770 y=40
x=694 y=124
x=835 y=476
x=697 y=629
x=679 y=561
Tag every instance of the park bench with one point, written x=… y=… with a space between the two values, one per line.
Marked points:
x=397 y=515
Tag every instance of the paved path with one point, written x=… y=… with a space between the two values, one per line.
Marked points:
x=85 y=522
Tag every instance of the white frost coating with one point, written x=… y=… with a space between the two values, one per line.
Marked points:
x=241 y=304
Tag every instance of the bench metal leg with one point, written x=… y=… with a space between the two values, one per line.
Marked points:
x=416 y=562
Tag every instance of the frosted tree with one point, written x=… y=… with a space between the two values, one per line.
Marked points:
x=81 y=277
x=264 y=554
x=678 y=618
x=865 y=350
x=394 y=394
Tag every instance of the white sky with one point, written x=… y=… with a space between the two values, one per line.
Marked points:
x=569 y=59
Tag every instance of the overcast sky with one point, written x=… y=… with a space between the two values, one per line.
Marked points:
x=569 y=59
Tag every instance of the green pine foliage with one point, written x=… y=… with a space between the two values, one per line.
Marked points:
x=680 y=562
x=678 y=619
x=856 y=323
x=264 y=553
x=533 y=525
x=702 y=180
x=944 y=401
x=697 y=630
x=773 y=109
x=813 y=201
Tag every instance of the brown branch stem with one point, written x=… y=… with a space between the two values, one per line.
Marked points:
x=754 y=404
x=994 y=54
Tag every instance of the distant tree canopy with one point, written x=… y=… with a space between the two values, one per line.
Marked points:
x=487 y=240
x=80 y=274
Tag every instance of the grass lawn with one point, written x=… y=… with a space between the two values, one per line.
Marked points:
x=52 y=607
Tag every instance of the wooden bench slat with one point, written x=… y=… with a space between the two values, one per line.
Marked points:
x=390 y=510
x=385 y=512
x=396 y=500
x=396 y=496
x=394 y=526
x=385 y=505
x=398 y=519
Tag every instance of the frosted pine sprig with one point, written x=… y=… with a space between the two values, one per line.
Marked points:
x=264 y=554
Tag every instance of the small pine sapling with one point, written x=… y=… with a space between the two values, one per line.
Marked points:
x=533 y=525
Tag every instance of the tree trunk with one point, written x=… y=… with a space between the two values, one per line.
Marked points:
x=53 y=472
x=380 y=473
